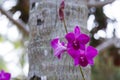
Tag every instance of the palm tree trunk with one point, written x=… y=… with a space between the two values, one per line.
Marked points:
x=45 y=25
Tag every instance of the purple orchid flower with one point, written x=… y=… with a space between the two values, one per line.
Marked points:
x=58 y=47
x=77 y=50
x=4 y=75
x=83 y=57
x=76 y=39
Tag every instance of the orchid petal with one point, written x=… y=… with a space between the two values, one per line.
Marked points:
x=91 y=62
x=77 y=31
x=79 y=57
x=73 y=53
x=83 y=38
x=91 y=52
x=4 y=75
x=58 y=47
x=70 y=37
x=59 y=51
x=76 y=61
x=54 y=42
x=7 y=75
x=82 y=46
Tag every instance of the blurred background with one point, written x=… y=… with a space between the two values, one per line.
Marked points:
x=103 y=25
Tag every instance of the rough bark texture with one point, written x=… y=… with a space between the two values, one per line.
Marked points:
x=45 y=25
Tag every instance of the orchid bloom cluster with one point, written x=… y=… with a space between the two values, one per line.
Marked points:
x=76 y=47
x=4 y=75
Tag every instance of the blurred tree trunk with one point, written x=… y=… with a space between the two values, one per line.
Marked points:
x=45 y=25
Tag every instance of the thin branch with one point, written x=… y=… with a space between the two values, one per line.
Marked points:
x=106 y=44
x=93 y=3
x=18 y=22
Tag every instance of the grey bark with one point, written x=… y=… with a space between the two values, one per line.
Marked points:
x=44 y=26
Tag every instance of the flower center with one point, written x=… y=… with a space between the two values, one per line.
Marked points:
x=76 y=45
x=82 y=59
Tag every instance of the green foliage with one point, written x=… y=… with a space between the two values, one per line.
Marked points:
x=17 y=44
x=1 y=39
x=104 y=68
x=22 y=60
x=2 y=64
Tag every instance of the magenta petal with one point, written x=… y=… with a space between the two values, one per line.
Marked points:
x=7 y=75
x=77 y=31
x=91 y=62
x=73 y=53
x=91 y=52
x=76 y=61
x=54 y=42
x=84 y=39
x=59 y=51
x=58 y=56
x=69 y=45
x=63 y=43
x=79 y=57
x=58 y=47
x=82 y=46
x=4 y=75
x=70 y=37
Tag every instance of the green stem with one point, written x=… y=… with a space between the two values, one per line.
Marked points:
x=65 y=25
x=65 y=58
x=82 y=73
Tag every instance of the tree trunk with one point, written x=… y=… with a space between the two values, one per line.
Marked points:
x=44 y=26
